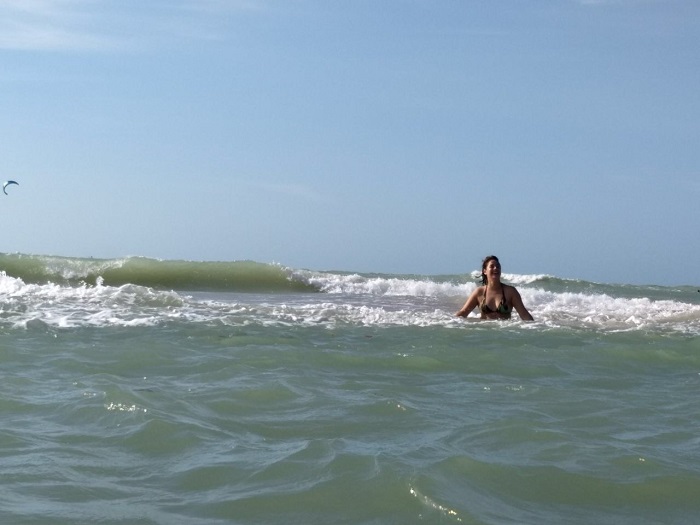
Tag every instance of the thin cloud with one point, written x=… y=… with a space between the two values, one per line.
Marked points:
x=34 y=37
x=90 y=25
x=47 y=25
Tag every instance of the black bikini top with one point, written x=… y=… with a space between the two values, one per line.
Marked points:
x=502 y=308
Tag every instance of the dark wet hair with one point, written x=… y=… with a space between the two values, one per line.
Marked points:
x=487 y=259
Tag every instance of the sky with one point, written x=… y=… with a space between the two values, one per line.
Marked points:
x=388 y=136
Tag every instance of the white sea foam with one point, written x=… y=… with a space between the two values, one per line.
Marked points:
x=610 y=313
x=344 y=300
x=332 y=283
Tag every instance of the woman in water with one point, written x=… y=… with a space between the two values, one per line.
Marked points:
x=494 y=299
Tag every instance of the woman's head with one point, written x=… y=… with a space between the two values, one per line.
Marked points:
x=489 y=264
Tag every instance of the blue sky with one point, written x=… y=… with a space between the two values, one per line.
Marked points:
x=397 y=136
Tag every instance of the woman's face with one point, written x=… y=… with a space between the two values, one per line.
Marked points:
x=492 y=270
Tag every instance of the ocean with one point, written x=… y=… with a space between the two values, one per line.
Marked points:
x=142 y=391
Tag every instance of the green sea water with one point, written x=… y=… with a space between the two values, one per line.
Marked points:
x=342 y=398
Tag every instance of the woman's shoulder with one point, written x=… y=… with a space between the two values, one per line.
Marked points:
x=510 y=289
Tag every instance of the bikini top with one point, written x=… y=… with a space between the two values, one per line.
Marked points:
x=502 y=308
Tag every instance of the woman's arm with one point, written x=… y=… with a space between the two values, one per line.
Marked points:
x=519 y=306
x=471 y=303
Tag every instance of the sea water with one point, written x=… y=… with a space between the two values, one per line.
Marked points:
x=138 y=391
